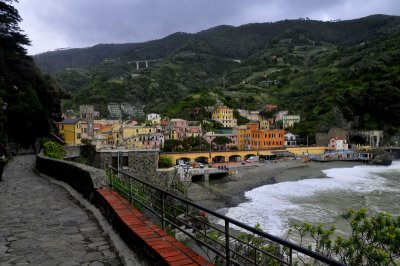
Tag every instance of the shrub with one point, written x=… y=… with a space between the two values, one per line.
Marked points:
x=88 y=152
x=54 y=150
x=165 y=162
x=373 y=240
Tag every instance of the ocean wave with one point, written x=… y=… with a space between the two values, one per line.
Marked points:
x=315 y=200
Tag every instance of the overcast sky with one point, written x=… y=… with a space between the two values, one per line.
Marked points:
x=53 y=24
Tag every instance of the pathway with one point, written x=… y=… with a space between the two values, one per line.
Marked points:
x=41 y=224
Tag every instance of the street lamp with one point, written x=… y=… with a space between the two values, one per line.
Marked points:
x=4 y=120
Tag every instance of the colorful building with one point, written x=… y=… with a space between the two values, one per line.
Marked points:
x=210 y=136
x=150 y=141
x=224 y=115
x=252 y=137
x=180 y=129
x=155 y=119
x=71 y=130
x=338 y=143
x=288 y=121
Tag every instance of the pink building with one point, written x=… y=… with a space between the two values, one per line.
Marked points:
x=338 y=143
x=179 y=129
x=210 y=136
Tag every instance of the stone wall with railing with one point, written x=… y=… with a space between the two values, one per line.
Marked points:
x=84 y=179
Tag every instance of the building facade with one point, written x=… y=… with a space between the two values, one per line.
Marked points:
x=87 y=114
x=338 y=144
x=155 y=119
x=288 y=121
x=224 y=115
x=290 y=140
x=210 y=137
x=252 y=137
x=71 y=130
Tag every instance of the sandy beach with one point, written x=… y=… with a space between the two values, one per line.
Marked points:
x=229 y=191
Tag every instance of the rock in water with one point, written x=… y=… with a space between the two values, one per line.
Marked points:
x=382 y=159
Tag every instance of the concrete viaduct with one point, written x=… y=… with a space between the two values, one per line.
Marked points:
x=140 y=62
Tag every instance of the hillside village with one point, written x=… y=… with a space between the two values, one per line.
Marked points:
x=157 y=133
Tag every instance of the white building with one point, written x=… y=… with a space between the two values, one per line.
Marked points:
x=154 y=118
x=290 y=120
x=290 y=140
x=114 y=110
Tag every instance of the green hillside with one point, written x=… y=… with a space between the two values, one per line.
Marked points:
x=342 y=73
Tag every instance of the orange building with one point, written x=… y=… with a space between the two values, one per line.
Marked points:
x=251 y=137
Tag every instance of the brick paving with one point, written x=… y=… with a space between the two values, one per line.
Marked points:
x=41 y=224
x=168 y=249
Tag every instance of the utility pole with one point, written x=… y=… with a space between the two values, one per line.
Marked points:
x=307 y=144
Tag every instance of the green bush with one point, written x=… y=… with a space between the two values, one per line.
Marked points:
x=165 y=162
x=54 y=150
x=373 y=240
x=88 y=152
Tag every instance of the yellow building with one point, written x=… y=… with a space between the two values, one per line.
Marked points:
x=71 y=130
x=224 y=115
x=132 y=131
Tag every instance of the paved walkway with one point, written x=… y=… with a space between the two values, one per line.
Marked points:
x=41 y=224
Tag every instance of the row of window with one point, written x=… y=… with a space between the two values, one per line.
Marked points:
x=268 y=143
x=254 y=136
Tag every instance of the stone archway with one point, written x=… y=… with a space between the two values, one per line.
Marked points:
x=219 y=159
x=201 y=159
x=358 y=139
x=182 y=159
x=235 y=158
x=247 y=156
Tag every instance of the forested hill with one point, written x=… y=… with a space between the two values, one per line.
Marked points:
x=344 y=73
x=224 y=41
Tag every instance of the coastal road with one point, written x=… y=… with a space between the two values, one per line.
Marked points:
x=42 y=224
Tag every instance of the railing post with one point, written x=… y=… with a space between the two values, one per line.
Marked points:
x=130 y=189
x=162 y=211
x=111 y=177
x=227 y=249
x=290 y=256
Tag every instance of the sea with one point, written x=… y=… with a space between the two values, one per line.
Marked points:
x=279 y=206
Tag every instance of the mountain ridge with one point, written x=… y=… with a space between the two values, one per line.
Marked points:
x=316 y=69
x=87 y=56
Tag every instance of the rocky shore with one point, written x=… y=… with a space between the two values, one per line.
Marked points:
x=230 y=191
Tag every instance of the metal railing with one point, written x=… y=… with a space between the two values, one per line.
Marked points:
x=223 y=240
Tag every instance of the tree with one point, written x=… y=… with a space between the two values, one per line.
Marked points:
x=88 y=151
x=172 y=145
x=373 y=240
x=241 y=120
x=32 y=99
x=222 y=141
x=194 y=144
x=11 y=35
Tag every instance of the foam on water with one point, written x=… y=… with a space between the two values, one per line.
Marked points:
x=313 y=200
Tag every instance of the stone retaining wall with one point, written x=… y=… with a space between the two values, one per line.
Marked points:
x=140 y=164
x=84 y=179
x=89 y=181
